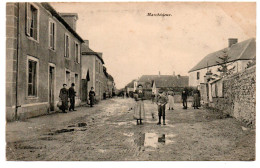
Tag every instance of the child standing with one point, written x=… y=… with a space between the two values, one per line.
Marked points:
x=161 y=102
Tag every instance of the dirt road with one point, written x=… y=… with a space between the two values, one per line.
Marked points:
x=108 y=132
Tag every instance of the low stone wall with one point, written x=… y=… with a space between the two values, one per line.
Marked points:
x=239 y=96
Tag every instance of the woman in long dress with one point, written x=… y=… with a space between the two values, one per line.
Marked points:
x=171 y=101
x=139 y=113
x=196 y=99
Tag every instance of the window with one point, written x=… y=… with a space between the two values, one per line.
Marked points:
x=96 y=65
x=52 y=35
x=67 y=80
x=198 y=75
x=77 y=53
x=32 y=77
x=32 y=19
x=67 y=45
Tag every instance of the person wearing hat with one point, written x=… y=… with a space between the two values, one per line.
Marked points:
x=72 y=95
x=161 y=102
x=92 y=95
x=64 y=98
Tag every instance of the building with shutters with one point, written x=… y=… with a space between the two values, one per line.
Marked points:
x=42 y=53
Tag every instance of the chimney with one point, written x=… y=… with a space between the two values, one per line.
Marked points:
x=100 y=54
x=232 y=41
x=178 y=76
x=86 y=42
x=159 y=73
x=70 y=18
x=173 y=73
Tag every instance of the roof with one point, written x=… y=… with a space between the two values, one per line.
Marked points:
x=245 y=50
x=48 y=7
x=85 y=50
x=131 y=84
x=162 y=81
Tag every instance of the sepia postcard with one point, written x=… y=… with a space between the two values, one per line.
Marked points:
x=130 y=81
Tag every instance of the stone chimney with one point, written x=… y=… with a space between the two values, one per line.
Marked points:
x=159 y=73
x=232 y=41
x=100 y=54
x=71 y=19
x=86 y=42
x=173 y=74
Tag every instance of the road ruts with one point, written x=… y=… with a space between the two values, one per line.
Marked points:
x=66 y=147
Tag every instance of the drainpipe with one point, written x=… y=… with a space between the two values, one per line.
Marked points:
x=17 y=64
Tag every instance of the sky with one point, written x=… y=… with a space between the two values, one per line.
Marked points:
x=134 y=44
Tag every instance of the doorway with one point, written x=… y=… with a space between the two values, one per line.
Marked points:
x=51 y=87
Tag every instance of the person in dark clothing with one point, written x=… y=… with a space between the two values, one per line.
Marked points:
x=104 y=95
x=92 y=96
x=184 y=99
x=64 y=98
x=72 y=95
x=161 y=102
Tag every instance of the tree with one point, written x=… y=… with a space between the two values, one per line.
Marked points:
x=251 y=63
x=225 y=67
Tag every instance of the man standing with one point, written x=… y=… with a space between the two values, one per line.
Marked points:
x=72 y=95
x=92 y=96
x=161 y=102
x=184 y=99
x=64 y=98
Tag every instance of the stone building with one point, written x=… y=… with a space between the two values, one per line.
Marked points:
x=42 y=53
x=93 y=62
x=240 y=54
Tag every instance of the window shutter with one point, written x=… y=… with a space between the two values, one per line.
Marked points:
x=78 y=54
x=54 y=34
x=49 y=34
x=27 y=20
x=75 y=52
x=65 y=48
x=68 y=46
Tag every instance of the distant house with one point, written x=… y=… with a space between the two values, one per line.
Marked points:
x=240 y=54
x=93 y=62
x=130 y=87
x=163 y=82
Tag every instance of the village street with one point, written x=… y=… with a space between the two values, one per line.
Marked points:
x=108 y=132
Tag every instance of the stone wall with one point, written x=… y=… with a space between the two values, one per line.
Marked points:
x=239 y=96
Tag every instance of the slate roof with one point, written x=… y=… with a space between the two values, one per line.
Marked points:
x=245 y=50
x=85 y=50
x=165 y=81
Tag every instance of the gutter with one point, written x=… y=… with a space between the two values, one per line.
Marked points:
x=17 y=64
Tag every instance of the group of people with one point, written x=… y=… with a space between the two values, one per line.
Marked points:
x=161 y=100
x=66 y=96
x=139 y=112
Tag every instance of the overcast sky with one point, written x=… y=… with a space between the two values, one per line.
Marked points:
x=134 y=44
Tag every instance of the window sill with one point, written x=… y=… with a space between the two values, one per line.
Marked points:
x=32 y=98
x=52 y=49
x=31 y=38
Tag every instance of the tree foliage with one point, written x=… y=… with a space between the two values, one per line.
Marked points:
x=225 y=66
